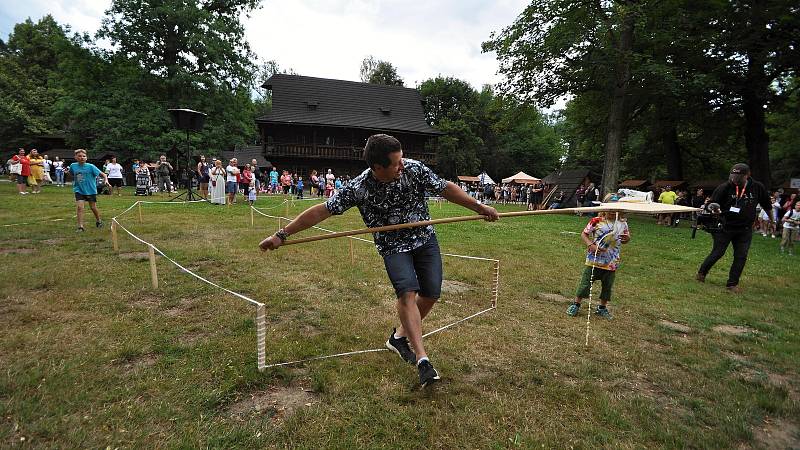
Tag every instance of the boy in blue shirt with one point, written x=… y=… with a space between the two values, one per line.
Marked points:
x=300 y=188
x=85 y=186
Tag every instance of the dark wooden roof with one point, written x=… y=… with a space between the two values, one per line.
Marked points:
x=321 y=101
x=661 y=184
x=567 y=181
x=634 y=183
x=245 y=155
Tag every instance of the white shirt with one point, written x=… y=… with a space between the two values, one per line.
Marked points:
x=330 y=177
x=46 y=165
x=793 y=215
x=59 y=165
x=231 y=171
x=114 y=170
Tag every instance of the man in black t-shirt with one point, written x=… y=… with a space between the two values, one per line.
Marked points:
x=737 y=199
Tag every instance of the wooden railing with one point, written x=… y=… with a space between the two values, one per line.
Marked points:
x=333 y=152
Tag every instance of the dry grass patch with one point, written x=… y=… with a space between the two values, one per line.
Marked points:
x=778 y=434
x=455 y=287
x=16 y=251
x=277 y=402
x=137 y=256
x=135 y=364
x=681 y=328
x=735 y=330
x=552 y=297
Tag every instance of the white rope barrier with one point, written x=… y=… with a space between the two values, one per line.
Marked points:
x=494 y=291
x=260 y=319
x=39 y=221
x=178 y=265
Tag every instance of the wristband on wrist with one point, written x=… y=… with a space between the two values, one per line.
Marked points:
x=282 y=235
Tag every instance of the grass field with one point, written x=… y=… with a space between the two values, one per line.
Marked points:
x=93 y=356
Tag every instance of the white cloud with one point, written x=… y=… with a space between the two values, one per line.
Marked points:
x=329 y=38
x=81 y=15
x=422 y=39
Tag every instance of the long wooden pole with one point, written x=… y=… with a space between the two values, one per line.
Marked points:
x=425 y=223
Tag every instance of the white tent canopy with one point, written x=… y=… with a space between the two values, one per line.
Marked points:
x=521 y=177
x=484 y=178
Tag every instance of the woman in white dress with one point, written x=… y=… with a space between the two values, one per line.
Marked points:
x=216 y=183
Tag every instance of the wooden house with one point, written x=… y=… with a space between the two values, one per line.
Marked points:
x=320 y=123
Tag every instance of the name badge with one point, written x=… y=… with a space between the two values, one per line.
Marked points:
x=734 y=209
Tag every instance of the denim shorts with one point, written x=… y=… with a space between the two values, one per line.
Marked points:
x=418 y=270
x=231 y=187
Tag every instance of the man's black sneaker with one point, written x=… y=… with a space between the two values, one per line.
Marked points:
x=99 y=224
x=427 y=374
x=401 y=347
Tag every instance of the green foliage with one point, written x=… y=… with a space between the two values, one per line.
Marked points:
x=700 y=73
x=376 y=71
x=485 y=131
x=117 y=101
x=190 y=44
x=784 y=129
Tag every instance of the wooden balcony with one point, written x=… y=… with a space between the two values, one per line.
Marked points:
x=315 y=151
x=333 y=152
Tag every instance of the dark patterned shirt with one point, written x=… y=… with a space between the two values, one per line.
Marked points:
x=401 y=201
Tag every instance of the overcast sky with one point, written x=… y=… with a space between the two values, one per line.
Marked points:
x=330 y=38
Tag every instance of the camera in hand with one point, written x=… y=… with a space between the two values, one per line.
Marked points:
x=709 y=219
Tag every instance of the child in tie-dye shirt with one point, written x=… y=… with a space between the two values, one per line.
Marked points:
x=603 y=236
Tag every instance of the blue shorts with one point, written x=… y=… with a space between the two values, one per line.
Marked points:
x=419 y=270
x=231 y=187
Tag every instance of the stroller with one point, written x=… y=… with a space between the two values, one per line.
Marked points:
x=102 y=189
x=143 y=184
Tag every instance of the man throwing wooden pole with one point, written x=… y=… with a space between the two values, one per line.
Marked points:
x=392 y=191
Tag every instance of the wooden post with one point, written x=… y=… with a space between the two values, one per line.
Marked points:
x=140 y=213
x=352 y=256
x=114 y=240
x=153 y=270
x=287 y=207
x=252 y=217
x=279 y=223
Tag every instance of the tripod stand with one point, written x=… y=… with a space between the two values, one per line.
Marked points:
x=189 y=194
x=186 y=119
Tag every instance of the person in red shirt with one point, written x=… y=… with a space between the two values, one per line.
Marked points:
x=286 y=182
x=245 y=177
x=22 y=178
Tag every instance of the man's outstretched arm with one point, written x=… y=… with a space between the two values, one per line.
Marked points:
x=457 y=195
x=305 y=220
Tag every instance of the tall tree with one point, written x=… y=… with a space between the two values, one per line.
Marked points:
x=29 y=67
x=756 y=44
x=557 y=48
x=196 y=44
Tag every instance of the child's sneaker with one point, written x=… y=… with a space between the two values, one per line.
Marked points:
x=80 y=230
x=603 y=312
x=99 y=224
x=573 y=309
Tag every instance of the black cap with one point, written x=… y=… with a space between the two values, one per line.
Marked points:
x=740 y=168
